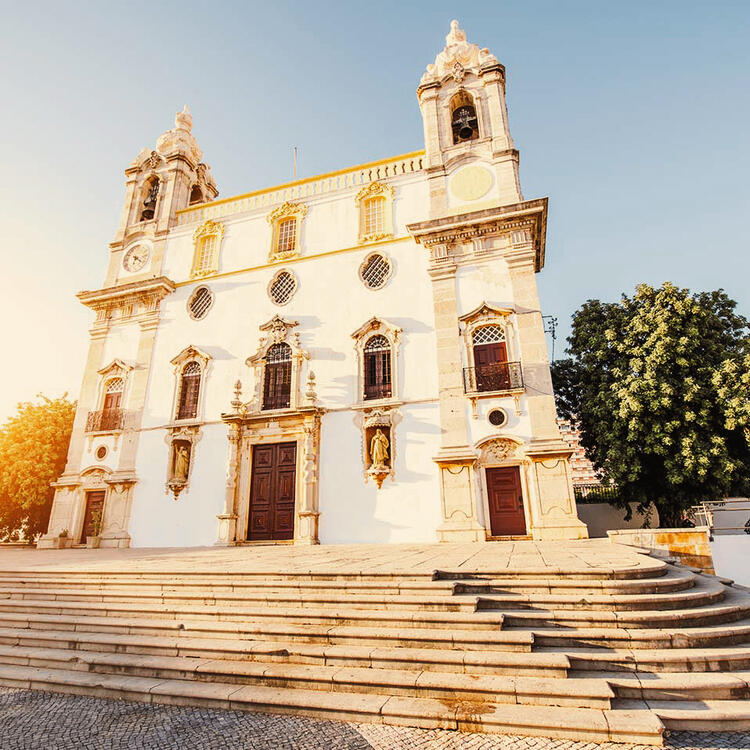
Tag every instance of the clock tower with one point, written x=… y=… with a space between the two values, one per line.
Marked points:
x=159 y=182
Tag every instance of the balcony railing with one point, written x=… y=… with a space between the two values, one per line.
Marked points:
x=497 y=377
x=107 y=420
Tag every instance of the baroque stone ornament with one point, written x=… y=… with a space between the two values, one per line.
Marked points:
x=181 y=441
x=458 y=57
x=498 y=450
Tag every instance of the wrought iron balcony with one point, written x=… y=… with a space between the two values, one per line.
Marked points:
x=494 y=378
x=107 y=420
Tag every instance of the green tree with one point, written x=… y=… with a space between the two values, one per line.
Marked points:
x=659 y=385
x=33 y=449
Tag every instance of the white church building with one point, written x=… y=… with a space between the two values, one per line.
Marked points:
x=353 y=357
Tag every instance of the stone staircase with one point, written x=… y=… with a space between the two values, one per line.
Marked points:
x=597 y=654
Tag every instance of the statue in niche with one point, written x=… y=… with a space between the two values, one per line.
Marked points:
x=379 y=450
x=180 y=462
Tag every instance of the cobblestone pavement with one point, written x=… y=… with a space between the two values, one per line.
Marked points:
x=31 y=720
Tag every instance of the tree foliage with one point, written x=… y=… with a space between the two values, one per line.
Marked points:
x=33 y=449
x=659 y=385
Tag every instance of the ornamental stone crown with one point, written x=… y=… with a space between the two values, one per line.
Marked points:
x=457 y=57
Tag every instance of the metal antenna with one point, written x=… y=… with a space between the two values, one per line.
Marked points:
x=295 y=162
x=550 y=327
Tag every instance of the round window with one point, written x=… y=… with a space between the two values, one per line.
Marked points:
x=375 y=271
x=200 y=302
x=497 y=417
x=282 y=287
x=101 y=452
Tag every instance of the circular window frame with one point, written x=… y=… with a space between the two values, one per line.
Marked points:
x=103 y=450
x=498 y=410
x=386 y=279
x=193 y=295
x=273 y=280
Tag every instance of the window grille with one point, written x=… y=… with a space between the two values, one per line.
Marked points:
x=277 y=382
x=489 y=335
x=116 y=385
x=376 y=271
x=286 y=236
x=282 y=288
x=200 y=302
x=205 y=253
x=377 y=368
x=374 y=215
x=190 y=384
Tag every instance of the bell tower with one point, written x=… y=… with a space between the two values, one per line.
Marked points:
x=469 y=154
x=159 y=182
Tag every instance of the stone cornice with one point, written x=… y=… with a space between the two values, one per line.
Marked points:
x=153 y=289
x=447 y=230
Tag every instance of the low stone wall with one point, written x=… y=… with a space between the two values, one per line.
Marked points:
x=602 y=517
x=690 y=546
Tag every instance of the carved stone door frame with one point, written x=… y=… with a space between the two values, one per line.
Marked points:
x=501 y=452
x=248 y=430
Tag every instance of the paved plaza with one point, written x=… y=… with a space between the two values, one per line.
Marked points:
x=32 y=720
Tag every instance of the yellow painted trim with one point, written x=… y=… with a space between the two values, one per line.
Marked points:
x=304 y=181
x=289 y=261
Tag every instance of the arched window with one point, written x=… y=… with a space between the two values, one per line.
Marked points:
x=206 y=244
x=377 y=366
x=190 y=386
x=205 y=255
x=277 y=380
x=196 y=195
x=491 y=358
x=149 y=201
x=464 y=118
x=111 y=416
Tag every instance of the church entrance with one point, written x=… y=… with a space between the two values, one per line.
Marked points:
x=93 y=516
x=274 y=470
x=505 y=501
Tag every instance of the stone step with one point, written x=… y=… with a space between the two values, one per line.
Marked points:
x=586 y=724
x=378 y=602
x=584 y=692
x=697 y=716
x=422 y=637
x=220 y=585
x=728 y=634
x=676 y=579
x=725 y=659
x=676 y=686
x=645 y=568
x=735 y=606
x=299 y=615
x=706 y=592
x=549 y=665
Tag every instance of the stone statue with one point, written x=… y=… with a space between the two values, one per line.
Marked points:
x=181 y=462
x=379 y=450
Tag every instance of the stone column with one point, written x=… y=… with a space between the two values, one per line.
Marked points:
x=308 y=514
x=456 y=457
x=227 y=533
x=553 y=510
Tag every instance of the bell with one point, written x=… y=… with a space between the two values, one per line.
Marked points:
x=465 y=133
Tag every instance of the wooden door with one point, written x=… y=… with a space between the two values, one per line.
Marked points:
x=271 y=515
x=506 y=502
x=94 y=508
x=491 y=363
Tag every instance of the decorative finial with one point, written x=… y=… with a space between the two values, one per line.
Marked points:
x=455 y=35
x=310 y=393
x=237 y=400
x=184 y=120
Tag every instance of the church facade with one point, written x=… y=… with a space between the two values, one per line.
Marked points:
x=353 y=357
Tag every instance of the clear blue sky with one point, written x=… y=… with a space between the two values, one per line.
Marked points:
x=632 y=118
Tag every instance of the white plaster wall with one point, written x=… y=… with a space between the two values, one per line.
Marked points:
x=731 y=553
x=406 y=508
x=157 y=519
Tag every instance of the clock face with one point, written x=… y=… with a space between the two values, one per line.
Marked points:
x=136 y=258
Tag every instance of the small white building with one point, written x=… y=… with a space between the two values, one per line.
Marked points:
x=353 y=357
